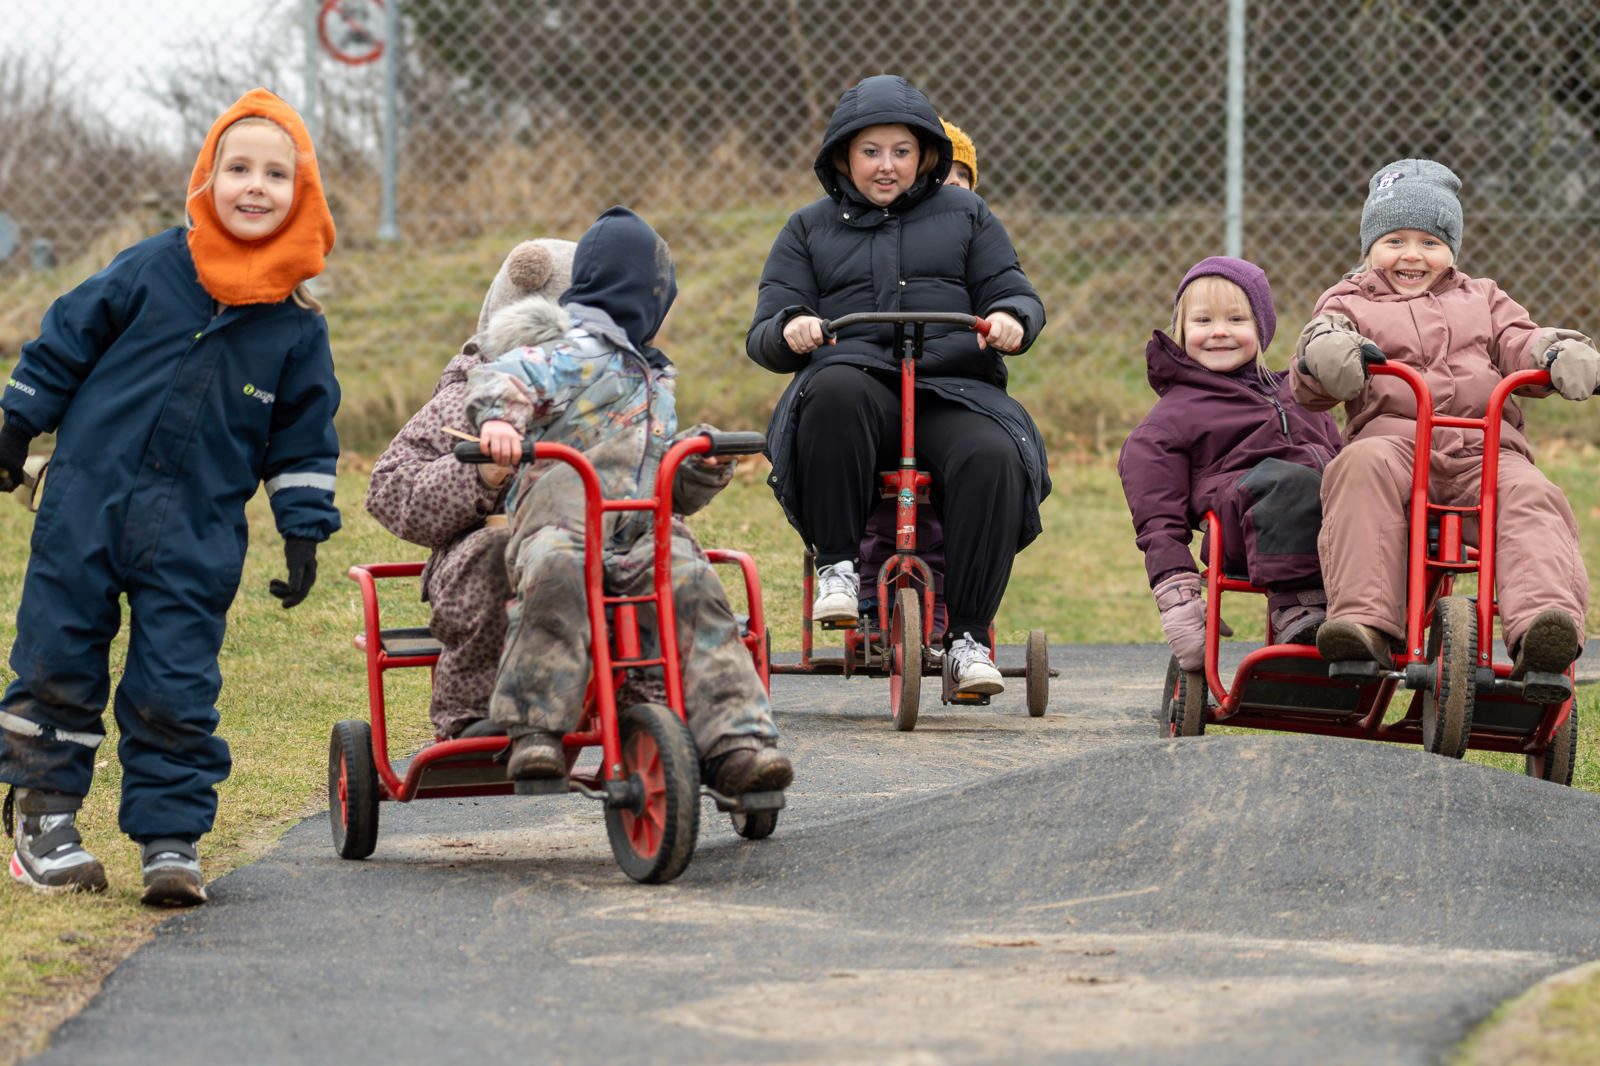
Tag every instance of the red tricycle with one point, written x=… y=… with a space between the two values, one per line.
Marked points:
x=648 y=773
x=1461 y=697
x=896 y=642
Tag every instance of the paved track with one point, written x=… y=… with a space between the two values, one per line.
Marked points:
x=988 y=888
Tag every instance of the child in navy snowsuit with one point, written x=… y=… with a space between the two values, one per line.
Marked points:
x=1227 y=436
x=190 y=371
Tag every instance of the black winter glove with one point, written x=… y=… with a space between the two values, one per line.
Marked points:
x=14 y=442
x=301 y=555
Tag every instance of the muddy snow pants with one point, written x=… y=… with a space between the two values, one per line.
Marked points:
x=51 y=717
x=545 y=669
x=1365 y=496
x=468 y=591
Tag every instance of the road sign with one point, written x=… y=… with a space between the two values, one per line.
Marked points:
x=352 y=30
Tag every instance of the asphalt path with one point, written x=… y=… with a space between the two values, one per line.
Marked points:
x=988 y=888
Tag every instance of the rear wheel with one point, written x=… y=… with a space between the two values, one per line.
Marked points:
x=1560 y=756
x=653 y=838
x=352 y=790
x=1183 y=705
x=905 y=659
x=1447 y=705
x=1037 y=670
x=754 y=825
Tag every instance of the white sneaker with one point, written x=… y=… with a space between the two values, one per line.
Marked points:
x=838 y=592
x=969 y=668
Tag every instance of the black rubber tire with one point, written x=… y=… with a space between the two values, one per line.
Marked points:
x=754 y=825
x=1037 y=673
x=1183 y=702
x=905 y=659
x=352 y=790
x=1447 y=706
x=1560 y=756
x=655 y=845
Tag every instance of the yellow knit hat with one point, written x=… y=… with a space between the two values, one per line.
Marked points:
x=962 y=149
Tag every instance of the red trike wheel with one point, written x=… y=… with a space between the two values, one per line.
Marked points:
x=352 y=790
x=1447 y=706
x=654 y=840
x=905 y=659
x=1183 y=702
x=1560 y=755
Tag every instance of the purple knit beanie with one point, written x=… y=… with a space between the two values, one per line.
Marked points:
x=1249 y=277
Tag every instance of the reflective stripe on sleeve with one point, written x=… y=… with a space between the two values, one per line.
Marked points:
x=301 y=481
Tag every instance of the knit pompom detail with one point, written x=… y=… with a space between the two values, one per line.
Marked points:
x=529 y=266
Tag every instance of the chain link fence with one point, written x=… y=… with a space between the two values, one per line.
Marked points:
x=1101 y=128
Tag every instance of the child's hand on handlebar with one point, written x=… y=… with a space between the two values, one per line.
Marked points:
x=803 y=333
x=501 y=442
x=1005 y=333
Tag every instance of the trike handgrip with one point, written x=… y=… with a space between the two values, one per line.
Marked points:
x=1372 y=355
x=906 y=318
x=736 y=442
x=470 y=451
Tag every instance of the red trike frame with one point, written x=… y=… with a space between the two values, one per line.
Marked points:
x=1307 y=697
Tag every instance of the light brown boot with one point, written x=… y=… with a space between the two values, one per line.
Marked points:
x=1341 y=640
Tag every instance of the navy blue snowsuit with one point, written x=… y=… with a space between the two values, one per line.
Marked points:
x=167 y=417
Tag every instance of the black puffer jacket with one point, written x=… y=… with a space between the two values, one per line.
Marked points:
x=936 y=248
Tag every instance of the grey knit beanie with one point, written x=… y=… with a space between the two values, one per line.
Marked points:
x=1249 y=277
x=1413 y=194
x=542 y=266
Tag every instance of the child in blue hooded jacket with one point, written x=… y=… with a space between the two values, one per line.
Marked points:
x=190 y=371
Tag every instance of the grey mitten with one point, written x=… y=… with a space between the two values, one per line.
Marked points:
x=1573 y=363
x=1182 y=603
x=1329 y=350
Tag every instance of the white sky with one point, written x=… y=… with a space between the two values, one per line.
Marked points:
x=108 y=52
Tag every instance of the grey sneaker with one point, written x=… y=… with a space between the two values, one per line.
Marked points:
x=171 y=874
x=838 y=593
x=970 y=669
x=50 y=855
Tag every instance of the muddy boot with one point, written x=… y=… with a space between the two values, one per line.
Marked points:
x=1543 y=656
x=733 y=773
x=171 y=874
x=537 y=757
x=1340 y=640
x=50 y=855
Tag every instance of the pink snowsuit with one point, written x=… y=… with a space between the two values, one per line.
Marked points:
x=1464 y=335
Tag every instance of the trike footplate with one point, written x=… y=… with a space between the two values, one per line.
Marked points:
x=748 y=803
x=539 y=786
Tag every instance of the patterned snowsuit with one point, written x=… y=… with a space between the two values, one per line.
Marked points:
x=595 y=391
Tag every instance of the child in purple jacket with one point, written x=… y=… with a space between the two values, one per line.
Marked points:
x=1227 y=436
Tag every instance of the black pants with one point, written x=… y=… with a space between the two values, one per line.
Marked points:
x=849 y=430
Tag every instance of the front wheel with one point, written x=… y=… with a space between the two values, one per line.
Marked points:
x=905 y=659
x=1447 y=705
x=1183 y=702
x=1037 y=669
x=352 y=790
x=653 y=837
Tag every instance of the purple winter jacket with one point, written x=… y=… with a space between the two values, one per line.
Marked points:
x=1205 y=433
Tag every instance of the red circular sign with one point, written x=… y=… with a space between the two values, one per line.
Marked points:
x=352 y=30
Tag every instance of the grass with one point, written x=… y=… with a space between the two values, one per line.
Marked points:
x=289 y=675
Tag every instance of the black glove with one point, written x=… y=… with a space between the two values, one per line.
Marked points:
x=301 y=555
x=14 y=442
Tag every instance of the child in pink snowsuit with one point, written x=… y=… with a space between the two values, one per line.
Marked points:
x=1464 y=335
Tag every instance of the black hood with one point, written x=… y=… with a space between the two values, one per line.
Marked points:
x=624 y=268
x=881 y=100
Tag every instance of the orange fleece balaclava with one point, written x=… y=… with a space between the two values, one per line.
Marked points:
x=267 y=270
